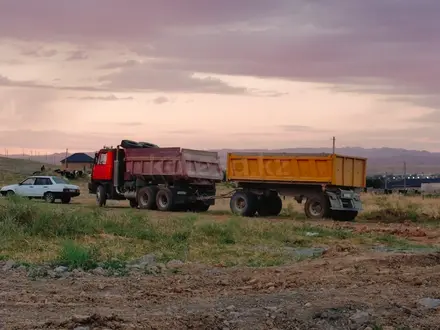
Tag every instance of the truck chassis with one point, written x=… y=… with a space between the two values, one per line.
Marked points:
x=263 y=198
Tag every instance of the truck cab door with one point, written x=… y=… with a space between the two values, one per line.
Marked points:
x=103 y=166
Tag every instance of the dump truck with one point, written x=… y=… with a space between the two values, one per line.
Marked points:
x=328 y=183
x=150 y=177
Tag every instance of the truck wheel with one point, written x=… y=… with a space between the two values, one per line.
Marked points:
x=199 y=206
x=244 y=203
x=317 y=207
x=165 y=200
x=146 y=198
x=49 y=197
x=66 y=200
x=270 y=206
x=344 y=215
x=101 y=196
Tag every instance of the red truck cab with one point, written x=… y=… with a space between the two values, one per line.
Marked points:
x=103 y=165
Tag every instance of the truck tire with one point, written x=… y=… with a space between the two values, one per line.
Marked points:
x=128 y=144
x=344 y=215
x=147 y=145
x=165 y=200
x=317 y=207
x=199 y=206
x=101 y=196
x=244 y=203
x=270 y=206
x=146 y=198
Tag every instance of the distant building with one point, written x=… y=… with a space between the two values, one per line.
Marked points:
x=79 y=161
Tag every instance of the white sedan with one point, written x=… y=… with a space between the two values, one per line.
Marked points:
x=49 y=188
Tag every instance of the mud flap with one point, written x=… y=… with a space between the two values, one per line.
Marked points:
x=344 y=200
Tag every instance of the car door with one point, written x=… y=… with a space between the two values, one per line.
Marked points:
x=26 y=188
x=42 y=185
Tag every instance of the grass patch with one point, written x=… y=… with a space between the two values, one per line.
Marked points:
x=82 y=238
x=73 y=255
x=398 y=210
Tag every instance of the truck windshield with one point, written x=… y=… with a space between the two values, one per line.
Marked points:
x=57 y=179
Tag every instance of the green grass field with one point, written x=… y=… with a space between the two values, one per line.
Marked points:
x=36 y=232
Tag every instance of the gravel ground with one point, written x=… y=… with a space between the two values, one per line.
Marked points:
x=341 y=290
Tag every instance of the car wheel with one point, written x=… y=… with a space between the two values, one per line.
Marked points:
x=49 y=197
x=66 y=200
x=10 y=193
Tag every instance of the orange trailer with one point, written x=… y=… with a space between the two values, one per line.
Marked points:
x=327 y=182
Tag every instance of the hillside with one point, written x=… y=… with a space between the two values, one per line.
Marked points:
x=380 y=160
x=14 y=169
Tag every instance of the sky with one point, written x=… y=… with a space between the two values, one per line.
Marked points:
x=212 y=74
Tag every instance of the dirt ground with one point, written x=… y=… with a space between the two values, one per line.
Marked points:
x=338 y=291
x=346 y=288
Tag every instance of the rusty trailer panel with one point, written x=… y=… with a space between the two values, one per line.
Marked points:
x=324 y=169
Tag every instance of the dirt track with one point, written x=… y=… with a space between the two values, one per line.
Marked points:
x=338 y=291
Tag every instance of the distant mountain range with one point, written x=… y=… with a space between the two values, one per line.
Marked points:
x=380 y=160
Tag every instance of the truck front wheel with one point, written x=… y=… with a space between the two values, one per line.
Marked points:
x=244 y=203
x=101 y=196
x=165 y=200
x=317 y=207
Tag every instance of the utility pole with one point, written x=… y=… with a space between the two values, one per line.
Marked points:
x=334 y=145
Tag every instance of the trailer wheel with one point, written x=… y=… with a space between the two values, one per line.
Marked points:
x=344 y=215
x=101 y=196
x=146 y=198
x=317 y=207
x=270 y=206
x=165 y=200
x=244 y=203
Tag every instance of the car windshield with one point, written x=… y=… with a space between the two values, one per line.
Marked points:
x=57 y=179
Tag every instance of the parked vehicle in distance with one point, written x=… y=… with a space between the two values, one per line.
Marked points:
x=49 y=188
x=327 y=182
x=167 y=179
